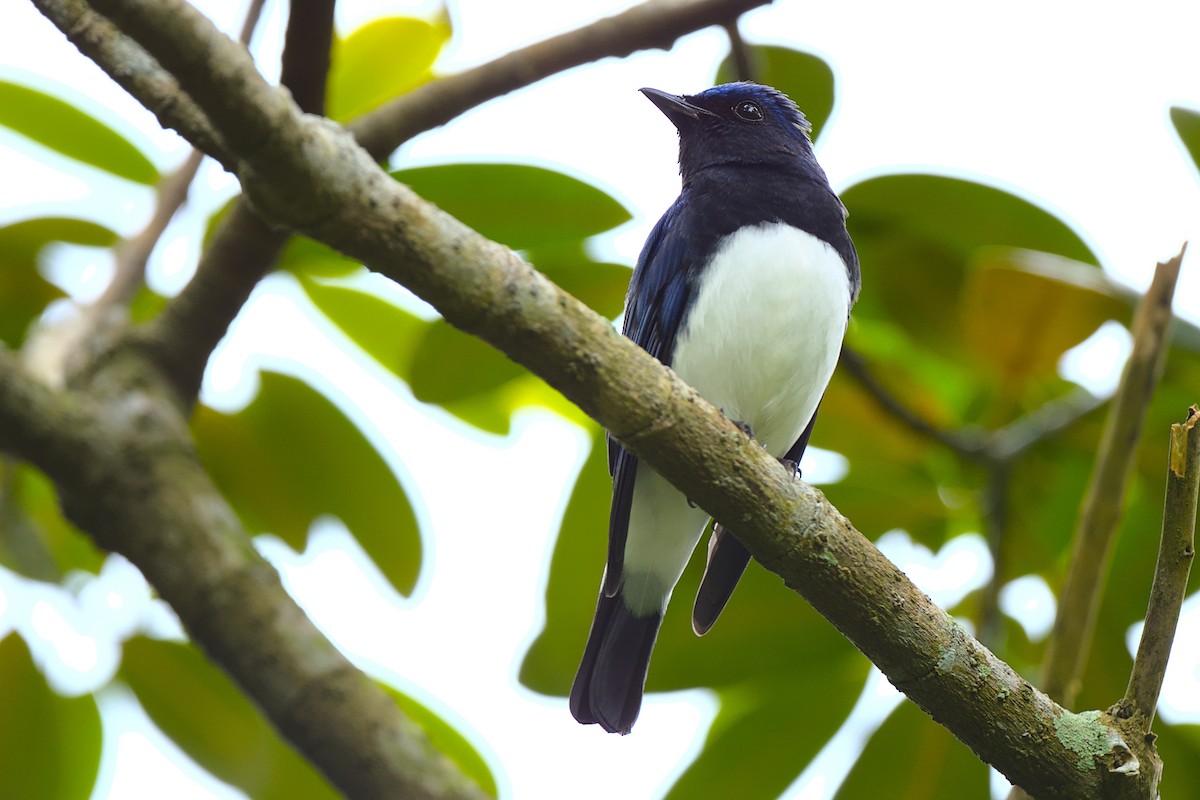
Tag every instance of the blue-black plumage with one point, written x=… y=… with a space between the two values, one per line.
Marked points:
x=744 y=288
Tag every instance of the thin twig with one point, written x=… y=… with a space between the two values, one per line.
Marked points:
x=306 y=51
x=1016 y=438
x=136 y=72
x=995 y=528
x=250 y=21
x=54 y=351
x=244 y=248
x=133 y=254
x=1079 y=601
x=743 y=57
x=970 y=445
x=1176 y=551
x=656 y=24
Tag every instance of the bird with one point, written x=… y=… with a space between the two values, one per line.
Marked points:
x=744 y=287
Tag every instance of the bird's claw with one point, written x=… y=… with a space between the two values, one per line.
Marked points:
x=791 y=466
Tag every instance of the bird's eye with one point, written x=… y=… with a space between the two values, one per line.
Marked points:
x=748 y=111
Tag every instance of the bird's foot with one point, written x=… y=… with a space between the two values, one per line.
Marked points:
x=744 y=427
x=791 y=466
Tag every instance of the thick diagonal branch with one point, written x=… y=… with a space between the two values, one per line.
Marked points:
x=311 y=175
x=120 y=456
x=182 y=338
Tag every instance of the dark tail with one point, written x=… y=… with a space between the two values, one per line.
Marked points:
x=608 y=687
x=727 y=560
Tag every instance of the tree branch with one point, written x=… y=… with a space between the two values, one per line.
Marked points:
x=134 y=70
x=243 y=252
x=743 y=58
x=653 y=25
x=121 y=458
x=1083 y=588
x=312 y=176
x=1176 y=550
x=133 y=254
x=971 y=445
x=181 y=339
x=306 y=50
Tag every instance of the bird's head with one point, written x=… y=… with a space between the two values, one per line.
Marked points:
x=735 y=124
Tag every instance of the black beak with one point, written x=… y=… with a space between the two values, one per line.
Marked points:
x=677 y=109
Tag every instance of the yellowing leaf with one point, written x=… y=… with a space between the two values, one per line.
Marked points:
x=381 y=60
x=1019 y=322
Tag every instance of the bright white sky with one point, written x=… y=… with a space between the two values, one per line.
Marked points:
x=1062 y=103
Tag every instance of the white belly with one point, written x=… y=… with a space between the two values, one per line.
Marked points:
x=761 y=342
x=764 y=332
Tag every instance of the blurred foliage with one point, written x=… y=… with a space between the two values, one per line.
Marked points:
x=36 y=540
x=291 y=456
x=24 y=291
x=49 y=744
x=213 y=722
x=910 y=757
x=971 y=297
x=443 y=736
x=71 y=131
x=204 y=713
x=1187 y=125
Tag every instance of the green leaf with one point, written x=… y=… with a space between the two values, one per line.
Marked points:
x=767 y=731
x=917 y=234
x=24 y=293
x=520 y=206
x=449 y=365
x=383 y=59
x=911 y=756
x=1187 y=125
x=801 y=76
x=65 y=129
x=36 y=540
x=920 y=239
x=601 y=287
x=201 y=710
x=49 y=745
x=383 y=330
x=575 y=569
x=447 y=740
x=292 y=456
x=306 y=257
x=146 y=305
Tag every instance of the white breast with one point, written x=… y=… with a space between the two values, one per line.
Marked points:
x=763 y=334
